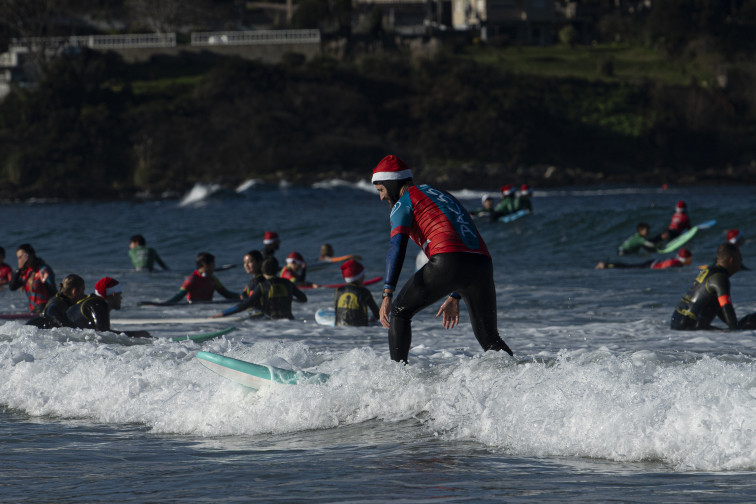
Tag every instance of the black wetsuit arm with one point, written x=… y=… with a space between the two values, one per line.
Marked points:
x=160 y=262
x=16 y=281
x=100 y=315
x=247 y=303
x=298 y=294
x=720 y=285
x=373 y=306
x=395 y=260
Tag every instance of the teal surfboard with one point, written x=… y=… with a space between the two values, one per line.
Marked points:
x=685 y=237
x=198 y=338
x=326 y=317
x=514 y=216
x=256 y=376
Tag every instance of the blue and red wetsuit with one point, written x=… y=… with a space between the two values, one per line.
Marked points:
x=459 y=264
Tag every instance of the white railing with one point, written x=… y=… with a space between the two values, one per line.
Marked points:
x=131 y=41
x=256 y=37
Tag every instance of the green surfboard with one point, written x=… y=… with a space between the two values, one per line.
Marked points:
x=198 y=338
x=256 y=376
x=685 y=237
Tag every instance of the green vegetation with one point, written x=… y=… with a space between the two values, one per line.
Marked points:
x=98 y=127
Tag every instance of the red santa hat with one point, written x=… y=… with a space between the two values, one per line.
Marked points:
x=391 y=168
x=681 y=206
x=270 y=238
x=734 y=236
x=507 y=190
x=684 y=256
x=526 y=190
x=106 y=286
x=352 y=271
x=295 y=257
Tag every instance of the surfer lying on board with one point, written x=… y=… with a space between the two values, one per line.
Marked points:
x=93 y=312
x=71 y=291
x=200 y=285
x=353 y=300
x=459 y=264
x=683 y=258
x=274 y=293
x=637 y=242
x=36 y=277
x=142 y=256
x=709 y=296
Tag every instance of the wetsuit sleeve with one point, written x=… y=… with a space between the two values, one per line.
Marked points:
x=246 y=303
x=159 y=260
x=395 y=260
x=298 y=294
x=17 y=280
x=178 y=296
x=720 y=285
x=373 y=306
x=223 y=291
x=100 y=315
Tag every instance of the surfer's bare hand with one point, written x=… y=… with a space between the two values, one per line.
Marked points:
x=450 y=312
x=385 y=311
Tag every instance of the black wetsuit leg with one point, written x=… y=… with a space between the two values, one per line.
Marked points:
x=470 y=275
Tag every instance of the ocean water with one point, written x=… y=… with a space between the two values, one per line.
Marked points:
x=601 y=402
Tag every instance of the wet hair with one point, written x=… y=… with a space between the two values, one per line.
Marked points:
x=71 y=282
x=28 y=249
x=204 y=258
x=394 y=187
x=270 y=266
x=138 y=239
x=255 y=255
x=326 y=250
x=727 y=251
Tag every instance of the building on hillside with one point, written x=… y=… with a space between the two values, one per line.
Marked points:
x=529 y=22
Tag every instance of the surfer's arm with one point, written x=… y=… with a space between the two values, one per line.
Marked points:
x=177 y=297
x=221 y=289
x=160 y=261
x=720 y=284
x=298 y=295
x=395 y=260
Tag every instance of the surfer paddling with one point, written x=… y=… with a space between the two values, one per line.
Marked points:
x=459 y=264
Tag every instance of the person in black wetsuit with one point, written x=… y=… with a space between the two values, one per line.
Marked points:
x=271 y=243
x=70 y=292
x=709 y=296
x=275 y=294
x=353 y=300
x=93 y=312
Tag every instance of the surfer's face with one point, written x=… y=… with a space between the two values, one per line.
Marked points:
x=383 y=193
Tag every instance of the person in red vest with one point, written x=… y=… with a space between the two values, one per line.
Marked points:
x=36 y=277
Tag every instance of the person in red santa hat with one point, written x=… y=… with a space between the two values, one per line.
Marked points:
x=353 y=300
x=680 y=223
x=271 y=243
x=93 y=312
x=506 y=204
x=522 y=199
x=459 y=265
x=296 y=270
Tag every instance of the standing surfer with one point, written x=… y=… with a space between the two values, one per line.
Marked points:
x=459 y=264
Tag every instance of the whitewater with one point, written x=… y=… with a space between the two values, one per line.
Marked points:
x=601 y=402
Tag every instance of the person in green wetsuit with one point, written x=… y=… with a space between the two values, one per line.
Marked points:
x=353 y=300
x=506 y=205
x=522 y=199
x=637 y=242
x=142 y=256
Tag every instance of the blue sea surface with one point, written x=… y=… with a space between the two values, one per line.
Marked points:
x=601 y=402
